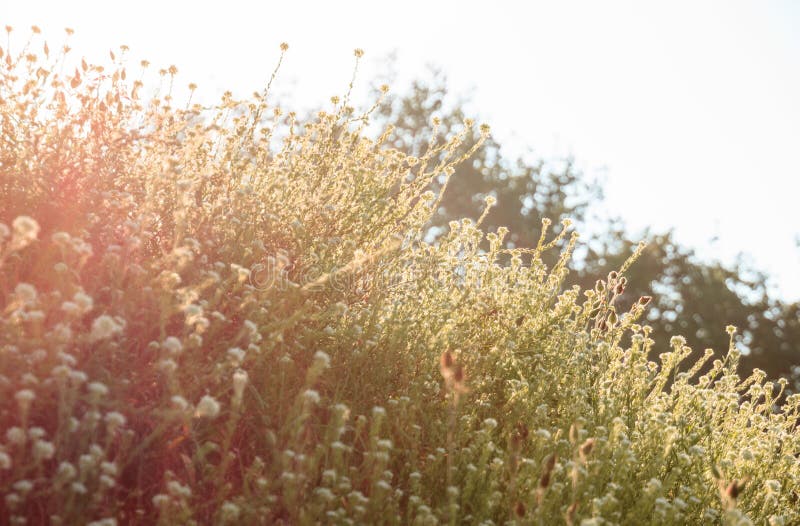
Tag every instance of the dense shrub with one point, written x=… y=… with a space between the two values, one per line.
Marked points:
x=226 y=315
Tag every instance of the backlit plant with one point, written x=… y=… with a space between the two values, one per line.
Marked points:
x=231 y=315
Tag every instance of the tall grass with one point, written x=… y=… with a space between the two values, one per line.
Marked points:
x=227 y=315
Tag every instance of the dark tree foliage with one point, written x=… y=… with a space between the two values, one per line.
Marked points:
x=692 y=298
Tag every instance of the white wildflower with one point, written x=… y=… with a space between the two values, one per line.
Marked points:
x=25 y=293
x=16 y=435
x=66 y=471
x=115 y=419
x=84 y=302
x=97 y=389
x=79 y=488
x=177 y=489
x=61 y=238
x=26 y=230
x=167 y=365
x=179 y=403
x=43 y=450
x=24 y=397
x=23 y=486
x=322 y=360
x=311 y=396
x=104 y=327
x=207 y=407
x=5 y=460
x=236 y=355
x=229 y=512
x=172 y=345
x=109 y=468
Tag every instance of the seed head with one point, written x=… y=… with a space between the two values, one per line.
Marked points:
x=586 y=448
x=207 y=407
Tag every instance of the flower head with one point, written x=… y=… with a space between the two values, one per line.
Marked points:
x=26 y=230
x=207 y=407
x=104 y=327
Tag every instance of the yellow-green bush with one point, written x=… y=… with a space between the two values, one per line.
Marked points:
x=227 y=315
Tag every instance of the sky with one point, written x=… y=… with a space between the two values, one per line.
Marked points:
x=689 y=112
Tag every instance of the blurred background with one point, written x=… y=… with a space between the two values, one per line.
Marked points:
x=675 y=123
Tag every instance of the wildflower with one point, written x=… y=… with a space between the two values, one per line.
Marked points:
x=167 y=365
x=178 y=490
x=236 y=355
x=24 y=398
x=61 y=238
x=229 y=511
x=12 y=500
x=730 y=329
x=43 y=450
x=208 y=407
x=79 y=488
x=16 y=435
x=78 y=377
x=284 y=46
x=326 y=494
x=242 y=274
x=115 y=419
x=26 y=230
x=321 y=360
x=104 y=327
x=179 y=403
x=107 y=482
x=358 y=52
x=25 y=293
x=66 y=471
x=772 y=486
x=36 y=432
x=109 y=468
x=23 y=486
x=5 y=460
x=97 y=389
x=677 y=341
x=172 y=345
x=311 y=396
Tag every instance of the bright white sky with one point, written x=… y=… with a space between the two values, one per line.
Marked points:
x=690 y=111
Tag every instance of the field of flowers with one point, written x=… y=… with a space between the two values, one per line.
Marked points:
x=232 y=315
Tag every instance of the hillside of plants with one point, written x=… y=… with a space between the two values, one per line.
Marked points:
x=236 y=314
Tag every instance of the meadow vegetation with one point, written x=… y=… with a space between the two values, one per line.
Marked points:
x=229 y=315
